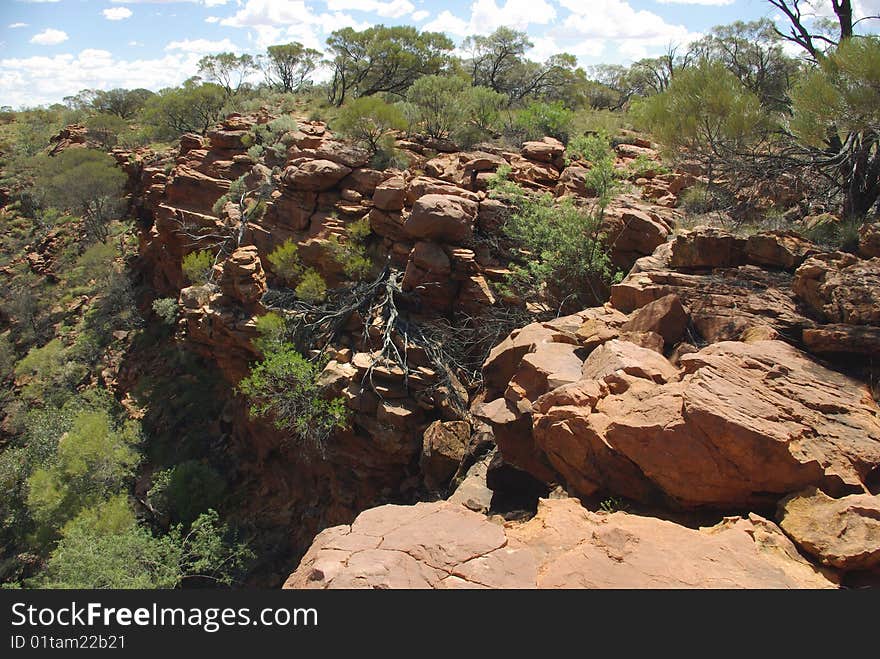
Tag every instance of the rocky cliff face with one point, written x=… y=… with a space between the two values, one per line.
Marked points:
x=724 y=374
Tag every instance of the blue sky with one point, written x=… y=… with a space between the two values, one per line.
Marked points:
x=53 y=48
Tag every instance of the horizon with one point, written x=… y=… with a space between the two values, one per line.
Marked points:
x=56 y=48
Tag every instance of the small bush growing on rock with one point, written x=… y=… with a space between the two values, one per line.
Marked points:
x=283 y=387
x=186 y=490
x=286 y=263
x=369 y=121
x=540 y=119
x=272 y=329
x=352 y=254
x=559 y=251
x=166 y=308
x=197 y=266
x=312 y=287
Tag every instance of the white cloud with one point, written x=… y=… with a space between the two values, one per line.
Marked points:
x=39 y=80
x=117 y=13
x=446 y=21
x=50 y=37
x=202 y=46
x=636 y=32
x=212 y=19
x=13 y=26
x=713 y=3
x=386 y=9
x=272 y=21
x=487 y=16
x=420 y=15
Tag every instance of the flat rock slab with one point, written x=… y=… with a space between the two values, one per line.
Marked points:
x=444 y=545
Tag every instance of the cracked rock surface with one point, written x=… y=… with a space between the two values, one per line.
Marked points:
x=445 y=545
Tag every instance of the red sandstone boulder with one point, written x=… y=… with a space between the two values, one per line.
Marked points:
x=315 y=175
x=840 y=288
x=445 y=545
x=444 y=218
x=843 y=533
x=390 y=195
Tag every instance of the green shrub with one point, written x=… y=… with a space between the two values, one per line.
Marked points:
x=105 y=547
x=592 y=148
x=186 y=490
x=540 y=119
x=312 y=287
x=286 y=262
x=93 y=461
x=369 y=121
x=272 y=329
x=283 y=387
x=352 y=254
x=197 y=266
x=560 y=253
x=701 y=198
x=167 y=309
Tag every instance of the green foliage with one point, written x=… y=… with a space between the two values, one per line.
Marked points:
x=591 y=148
x=438 y=103
x=540 y=119
x=227 y=69
x=706 y=110
x=105 y=129
x=644 y=166
x=283 y=387
x=48 y=374
x=288 y=66
x=311 y=287
x=369 y=121
x=286 y=263
x=123 y=103
x=86 y=182
x=192 y=108
x=235 y=194
x=559 y=251
x=197 y=266
x=104 y=547
x=384 y=59
x=701 y=198
x=167 y=309
x=93 y=461
x=833 y=233
x=272 y=330
x=186 y=490
x=352 y=254
x=7 y=356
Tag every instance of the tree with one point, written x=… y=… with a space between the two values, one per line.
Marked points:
x=105 y=547
x=707 y=112
x=283 y=386
x=439 y=104
x=753 y=53
x=227 y=69
x=86 y=182
x=384 y=59
x=498 y=61
x=370 y=121
x=93 y=461
x=813 y=41
x=288 y=66
x=192 y=108
x=124 y=103
x=836 y=120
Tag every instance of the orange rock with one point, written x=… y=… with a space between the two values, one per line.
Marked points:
x=445 y=545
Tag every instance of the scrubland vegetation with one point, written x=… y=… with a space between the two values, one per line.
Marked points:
x=733 y=106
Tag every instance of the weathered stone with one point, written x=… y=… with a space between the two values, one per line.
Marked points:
x=666 y=316
x=443 y=447
x=843 y=533
x=315 y=175
x=445 y=218
x=445 y=545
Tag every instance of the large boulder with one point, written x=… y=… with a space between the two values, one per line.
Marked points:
x=445 y=218
x=840 y=288
x=745 y=425
x=843 y=533
x=445 y=545
x=443 y=448
x=243 y=278
x=315 y=175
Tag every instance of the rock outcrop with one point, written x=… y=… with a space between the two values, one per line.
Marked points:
x=445 y=545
